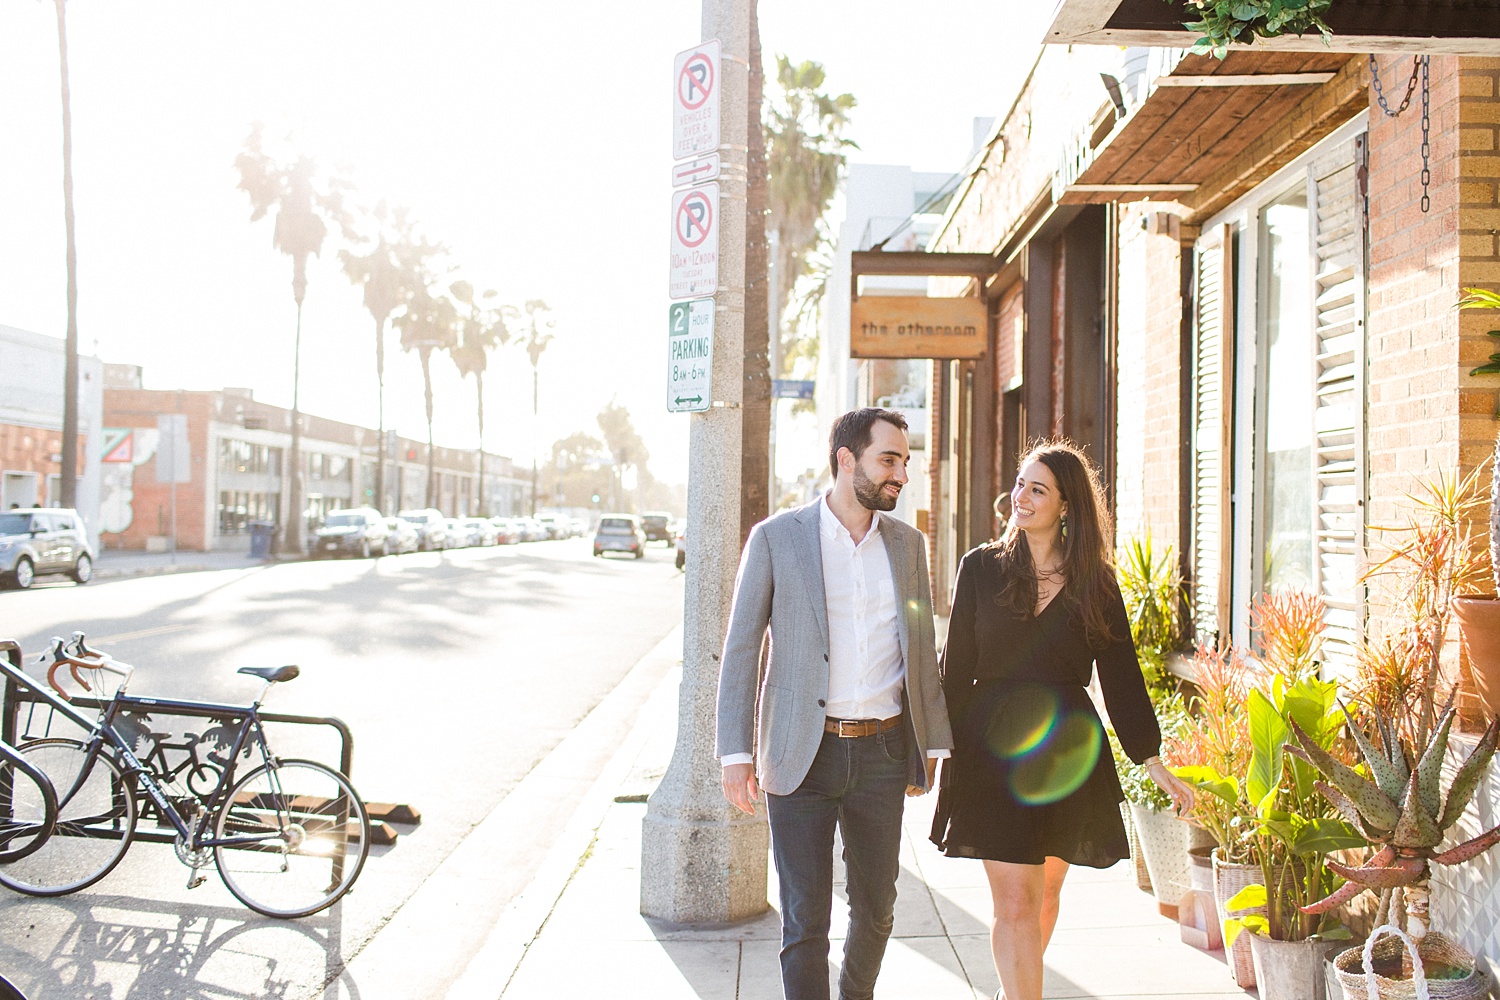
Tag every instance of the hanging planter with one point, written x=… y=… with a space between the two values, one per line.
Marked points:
x=1225 y=22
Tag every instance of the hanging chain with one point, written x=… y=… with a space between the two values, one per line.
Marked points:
x=1418 y=63
x=1426 y=143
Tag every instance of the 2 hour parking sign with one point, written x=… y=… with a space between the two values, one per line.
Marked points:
x=690 y=355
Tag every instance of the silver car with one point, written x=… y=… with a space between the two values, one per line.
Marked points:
x=43 y=540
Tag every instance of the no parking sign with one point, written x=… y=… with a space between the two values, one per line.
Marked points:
x=695 y=101
x=695 y=242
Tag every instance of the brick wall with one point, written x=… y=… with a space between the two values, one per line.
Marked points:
x=150 y=500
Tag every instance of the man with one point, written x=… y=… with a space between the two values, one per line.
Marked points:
x=851 y=712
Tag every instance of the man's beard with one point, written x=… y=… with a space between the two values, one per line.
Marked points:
x=869 y=495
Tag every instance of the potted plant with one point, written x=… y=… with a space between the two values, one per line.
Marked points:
x=1223 y=22
x=1479 y=615
x=1164 y=839
x=1402 y=809
x=1151 y=586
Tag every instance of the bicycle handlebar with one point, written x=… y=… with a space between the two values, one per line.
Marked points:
x=76 y=655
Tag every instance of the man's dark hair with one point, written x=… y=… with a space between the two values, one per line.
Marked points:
x=852 y=431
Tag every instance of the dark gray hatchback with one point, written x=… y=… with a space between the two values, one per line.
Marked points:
x=43 y=540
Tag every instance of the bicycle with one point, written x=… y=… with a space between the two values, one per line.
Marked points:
x=28 y=806
x=289 y=837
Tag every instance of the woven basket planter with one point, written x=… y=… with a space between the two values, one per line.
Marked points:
x=1389 y=946
x=1137 y=856
x=1230 y=878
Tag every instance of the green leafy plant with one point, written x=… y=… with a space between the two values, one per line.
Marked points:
x=1292 y=828
x=1172 y=716
x=1224 y=22
x=1213 y=748
x=1399 y=806
x=1151 y=585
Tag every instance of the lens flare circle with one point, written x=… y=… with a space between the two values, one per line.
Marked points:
x=1023 y=722
x=1060 y=765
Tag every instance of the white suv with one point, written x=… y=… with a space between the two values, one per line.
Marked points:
x=39 y=540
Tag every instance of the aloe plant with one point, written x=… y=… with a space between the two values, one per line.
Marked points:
x=1399 y=806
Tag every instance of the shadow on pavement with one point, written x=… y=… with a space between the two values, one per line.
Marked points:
x=115 y=948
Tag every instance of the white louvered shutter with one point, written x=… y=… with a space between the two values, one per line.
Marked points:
x=1338 y=261
x=1213 y=326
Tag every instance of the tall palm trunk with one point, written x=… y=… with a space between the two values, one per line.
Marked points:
x=295 y=528
x=380 y=417
x=479 y=392
x=426 y=355
x=68 y=487
x=756 y=473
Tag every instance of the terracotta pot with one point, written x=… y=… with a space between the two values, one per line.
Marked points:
x=1230 y=878
x=1164 y=843
x=1479 y=626
x=1289 y=970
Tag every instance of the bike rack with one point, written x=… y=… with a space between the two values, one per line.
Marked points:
x=17 y=695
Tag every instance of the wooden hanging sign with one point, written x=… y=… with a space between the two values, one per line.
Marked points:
x=902 y=326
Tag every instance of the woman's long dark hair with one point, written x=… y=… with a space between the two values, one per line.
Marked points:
x=1087 y=559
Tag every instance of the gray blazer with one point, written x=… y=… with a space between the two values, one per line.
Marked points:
x=780 y=587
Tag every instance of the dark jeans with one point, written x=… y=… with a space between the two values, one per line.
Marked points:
x=860 y=785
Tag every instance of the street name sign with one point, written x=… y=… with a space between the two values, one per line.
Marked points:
x=696 y=171
x=695 y=242
x=690 y=355
x=695 y=101
x=792 y=388
x=903 y=326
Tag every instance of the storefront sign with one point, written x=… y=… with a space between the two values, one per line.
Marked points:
x=892 y=326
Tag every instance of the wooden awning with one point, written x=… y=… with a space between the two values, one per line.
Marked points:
x=1452 y=27
x=1187 y=141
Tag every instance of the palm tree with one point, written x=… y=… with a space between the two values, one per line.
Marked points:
x=806 y=151
x=482 y=330
x=68 y=478
x=304 y=203
x=379 y=273
x=538 y=319
x=429 y=323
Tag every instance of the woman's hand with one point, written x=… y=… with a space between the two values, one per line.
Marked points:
x=1179 y=791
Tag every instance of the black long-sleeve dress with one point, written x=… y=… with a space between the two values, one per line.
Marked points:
x=1031 y=775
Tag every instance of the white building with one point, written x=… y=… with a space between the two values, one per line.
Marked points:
x=31 y=421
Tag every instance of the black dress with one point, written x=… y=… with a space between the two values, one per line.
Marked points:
x=1031 y=775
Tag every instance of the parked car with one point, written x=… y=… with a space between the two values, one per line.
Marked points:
x=459 y=536
x=578 y=527
x=555 y=525
x=432 y=528
x=657 y=526
x=532 y=530
x=42 y=540
x=681 y=560
x=507 y=531
x=481 y=530
x=356 y=531
x=620 y=533
x=401 y=536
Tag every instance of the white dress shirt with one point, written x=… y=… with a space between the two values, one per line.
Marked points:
x=866 y=672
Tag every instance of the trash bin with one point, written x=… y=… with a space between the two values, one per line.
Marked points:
x=261 y=533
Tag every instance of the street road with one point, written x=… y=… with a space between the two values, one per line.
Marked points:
x=457 y=672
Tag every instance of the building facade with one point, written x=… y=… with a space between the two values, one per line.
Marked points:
x=231 y=469
x=31 y=421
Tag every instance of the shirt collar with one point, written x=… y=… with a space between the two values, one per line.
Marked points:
x=829 y=525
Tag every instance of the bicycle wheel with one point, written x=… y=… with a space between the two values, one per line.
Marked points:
x=316 y=832
x=28 y=806
x=96 y=818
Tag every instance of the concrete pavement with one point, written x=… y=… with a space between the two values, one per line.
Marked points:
x=117 y=563
x=576 y=929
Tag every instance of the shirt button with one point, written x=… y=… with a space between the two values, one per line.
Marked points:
x=825 y=657
x=821 y=703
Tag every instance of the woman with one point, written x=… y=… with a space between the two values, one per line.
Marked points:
x=1031 y=786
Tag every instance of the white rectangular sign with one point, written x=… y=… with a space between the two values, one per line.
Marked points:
x=695 y=242
x=695 y=101
x=696 y=171
x=690 y=355
x=174 y=456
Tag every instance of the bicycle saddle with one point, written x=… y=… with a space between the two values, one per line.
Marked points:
x=273 y=674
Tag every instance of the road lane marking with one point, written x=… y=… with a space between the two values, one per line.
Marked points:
x=144 y=633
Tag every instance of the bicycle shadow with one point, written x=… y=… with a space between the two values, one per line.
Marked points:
x=115 y=948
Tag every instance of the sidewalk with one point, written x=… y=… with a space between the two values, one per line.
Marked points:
x=112 y=564
x=576 y=930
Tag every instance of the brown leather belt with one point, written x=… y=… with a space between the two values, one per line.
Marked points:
x=850 y=728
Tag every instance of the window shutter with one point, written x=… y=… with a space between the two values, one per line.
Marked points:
x=1338 y=256
x=1213 y=336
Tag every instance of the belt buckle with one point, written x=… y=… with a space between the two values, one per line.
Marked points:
x=843 y=735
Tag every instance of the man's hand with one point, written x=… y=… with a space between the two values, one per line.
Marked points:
x=740 y=787
x=915 y=790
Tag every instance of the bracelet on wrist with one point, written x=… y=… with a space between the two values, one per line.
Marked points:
x=1153 y=759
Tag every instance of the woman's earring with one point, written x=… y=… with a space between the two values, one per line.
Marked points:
x=1065 y=526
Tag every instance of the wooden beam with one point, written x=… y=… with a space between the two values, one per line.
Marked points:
x=1244 y=80
x=1312 y=42
x=970 y=265
x=1128 y=188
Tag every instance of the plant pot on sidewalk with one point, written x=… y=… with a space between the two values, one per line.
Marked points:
x=1289 y=970
x=1230 y=878
x=1164 y=843
x=1479 y=627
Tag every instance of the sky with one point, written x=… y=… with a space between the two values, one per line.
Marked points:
x=533 y=140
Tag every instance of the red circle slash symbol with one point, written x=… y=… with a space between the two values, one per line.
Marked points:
x=695 y=217
x=696 y=82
